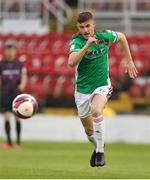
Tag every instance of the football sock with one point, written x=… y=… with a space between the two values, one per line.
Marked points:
x=18 y=131
x=92 y=139
x=99 y=128
x=7 y=131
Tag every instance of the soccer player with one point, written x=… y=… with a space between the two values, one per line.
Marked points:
x=89 y=55
x=13 y=78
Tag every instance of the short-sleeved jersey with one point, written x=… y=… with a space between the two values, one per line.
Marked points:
x=93 y=71
x=10 y=75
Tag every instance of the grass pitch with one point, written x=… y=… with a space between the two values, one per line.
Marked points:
x=50 y=160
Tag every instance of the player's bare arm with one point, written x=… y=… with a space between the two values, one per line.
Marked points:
x=23 y=81
x=76 y=57
x=128 y=64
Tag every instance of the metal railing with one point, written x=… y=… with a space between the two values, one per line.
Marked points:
x=36 y=9
x=60 y=10
x=23 y=9
x=126 y=15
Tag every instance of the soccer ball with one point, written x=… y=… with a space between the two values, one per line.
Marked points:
x=24 y=106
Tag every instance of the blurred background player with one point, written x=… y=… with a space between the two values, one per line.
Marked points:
x=89 y=54
x=13 y=80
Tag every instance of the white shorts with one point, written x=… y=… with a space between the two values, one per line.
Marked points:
x=83 y=101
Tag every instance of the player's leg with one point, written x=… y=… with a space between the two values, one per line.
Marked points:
x=17 y=122
x=18 y=131
x=83 y=105
x=97 y=106
x=6 y=109
x=7 y=128
x=98 y=101
x=87 y=123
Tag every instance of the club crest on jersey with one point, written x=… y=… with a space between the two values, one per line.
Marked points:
x=99 y=42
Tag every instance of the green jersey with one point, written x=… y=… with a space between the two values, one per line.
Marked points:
x=92 y=71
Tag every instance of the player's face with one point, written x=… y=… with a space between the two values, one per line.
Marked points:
x=10 y=53
x=86 y=28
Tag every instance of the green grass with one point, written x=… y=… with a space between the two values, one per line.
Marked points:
x=39 y=160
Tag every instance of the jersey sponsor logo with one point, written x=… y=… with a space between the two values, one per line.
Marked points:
x=10 y=72
x=94 y=54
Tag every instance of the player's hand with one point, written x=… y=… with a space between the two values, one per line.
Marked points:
x=21 y=87
x=130 y=69
x=91 y=40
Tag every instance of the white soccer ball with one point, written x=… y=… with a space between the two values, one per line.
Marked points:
x=24 y=106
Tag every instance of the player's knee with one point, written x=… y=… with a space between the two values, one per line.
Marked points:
x=6 y=119
x=97 y=116
x=17 y=119
x=95 y=112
